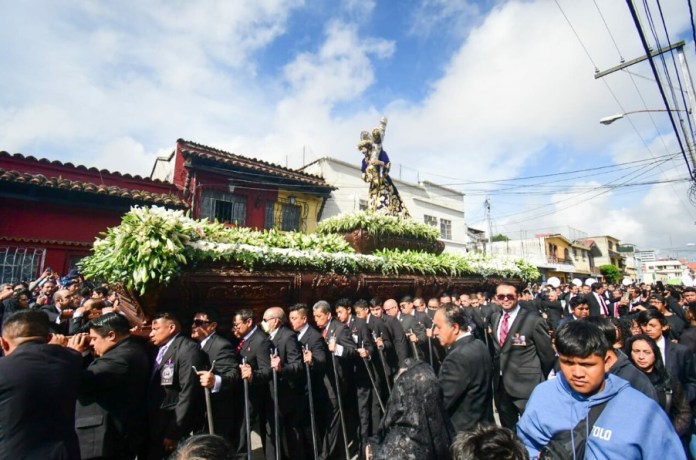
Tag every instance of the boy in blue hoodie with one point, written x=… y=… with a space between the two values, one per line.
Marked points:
x=631 y=425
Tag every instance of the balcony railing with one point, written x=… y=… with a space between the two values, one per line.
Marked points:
x=559 y=260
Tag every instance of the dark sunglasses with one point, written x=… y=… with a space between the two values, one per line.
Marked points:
x=200 y=322
x=502 y=297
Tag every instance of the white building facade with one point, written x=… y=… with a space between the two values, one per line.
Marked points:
x=427 y=202
x=662 y=270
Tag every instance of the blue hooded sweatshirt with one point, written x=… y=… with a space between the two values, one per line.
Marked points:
x=631 y=426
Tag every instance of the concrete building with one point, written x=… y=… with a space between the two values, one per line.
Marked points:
x=633 y=267
x=608 y=252
x=427 y=202
x=549 y=253
x=645 y=256
x=662 y=270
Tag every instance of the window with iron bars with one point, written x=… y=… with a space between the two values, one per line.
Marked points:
x=20 y=263
x=224 y=207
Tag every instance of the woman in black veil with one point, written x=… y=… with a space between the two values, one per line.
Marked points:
x=415 y=425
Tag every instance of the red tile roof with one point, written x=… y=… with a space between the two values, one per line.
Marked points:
x=46 y=242
x=192 y=149
x=57 y=163
x=39 y=180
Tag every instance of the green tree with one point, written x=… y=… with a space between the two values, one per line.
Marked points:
x=500 y=237
x=611 y=273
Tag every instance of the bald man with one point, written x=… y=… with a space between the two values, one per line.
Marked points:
x=287 y=363
x=60 y=311
x=401 y=346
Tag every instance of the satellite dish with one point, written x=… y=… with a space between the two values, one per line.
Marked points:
x=627 y=281
x=590 y=281
x=577 y=282
x=553 y=281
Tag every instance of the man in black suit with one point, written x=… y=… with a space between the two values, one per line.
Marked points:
x=254 y=350
x=315 y=355
x=344 y=352
x=38 y=391
x=60 y=311
x=287 y=363
x=414 y=331
x=465 y=375
x=225 y=377
x=383 y=340
x=596 y=301
x=367 y=408
x=175 y=397
x=396 y=356
x=551 y=309
x=522 y=356
x=111 y=415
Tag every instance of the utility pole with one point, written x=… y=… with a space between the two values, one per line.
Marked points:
x=487 y=205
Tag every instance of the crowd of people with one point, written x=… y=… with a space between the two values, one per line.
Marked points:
x=592 y=371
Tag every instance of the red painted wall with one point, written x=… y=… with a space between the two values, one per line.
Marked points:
x=256 y=199
x=51 y=221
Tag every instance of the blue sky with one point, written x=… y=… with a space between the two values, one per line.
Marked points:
x=477 y=93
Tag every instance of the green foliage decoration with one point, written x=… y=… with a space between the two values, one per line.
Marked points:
x=152 y=245
x=379 y=225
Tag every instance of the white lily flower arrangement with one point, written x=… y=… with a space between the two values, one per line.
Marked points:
x=152 y=245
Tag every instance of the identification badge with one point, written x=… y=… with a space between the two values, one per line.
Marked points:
x=167 y=375
x=519 y=341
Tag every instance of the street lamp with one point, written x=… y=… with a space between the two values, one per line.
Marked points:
x=612 y=118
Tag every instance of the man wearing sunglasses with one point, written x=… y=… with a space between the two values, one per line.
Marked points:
x=522 y=356
x=225 y=376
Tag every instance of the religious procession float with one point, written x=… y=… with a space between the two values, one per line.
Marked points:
x=166 y=260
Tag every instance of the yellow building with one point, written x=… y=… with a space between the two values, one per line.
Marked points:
x=558 y=254
x=294 y=211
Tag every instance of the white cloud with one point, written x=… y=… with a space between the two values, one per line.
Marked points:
x=113 y=85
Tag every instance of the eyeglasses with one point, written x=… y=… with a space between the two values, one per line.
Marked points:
x=200 y=322
x=268 y=319
x=237 y=325
x=509 y=297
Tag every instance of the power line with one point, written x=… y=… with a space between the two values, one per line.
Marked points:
x=693 y=28
x=646 y=48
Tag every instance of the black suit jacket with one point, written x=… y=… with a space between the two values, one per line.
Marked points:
x=257 y=353
x=321 y=384
x=52 y=313
x=111 y=414
x=347 y=354
x=176 y=410
x=465 y=379
x=680 y=364
x=526 y=357
x=379 y=329
x=223 y=402
x=291 y=378
x=595 y=307
x=674 y=307
x=554 y=312
x=410 y=322
x=38 y=391
x=401 y=347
